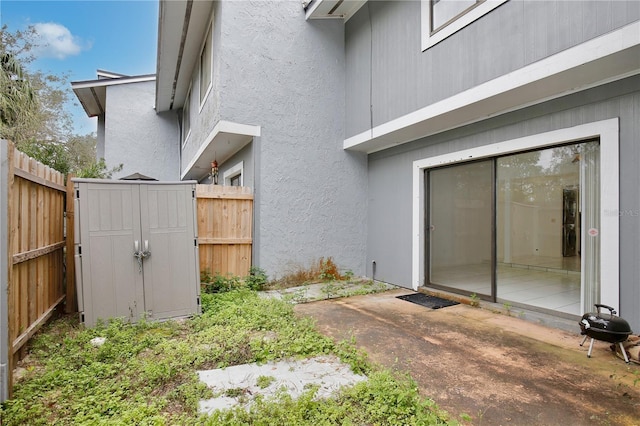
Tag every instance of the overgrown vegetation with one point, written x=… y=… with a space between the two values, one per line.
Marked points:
x=384 y=399
x=323 y=270
x=146 y=373
x=256 y=280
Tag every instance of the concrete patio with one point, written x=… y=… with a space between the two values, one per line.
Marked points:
x=492 y=366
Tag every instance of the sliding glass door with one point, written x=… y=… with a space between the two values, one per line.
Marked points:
x=520 y=228
x=460 y=227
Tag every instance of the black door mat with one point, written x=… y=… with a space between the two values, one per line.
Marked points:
x=432 y=302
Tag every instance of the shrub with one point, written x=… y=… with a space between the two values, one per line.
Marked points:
x=218 y=283
x=257 y=278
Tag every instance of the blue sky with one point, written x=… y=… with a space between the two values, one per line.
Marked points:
x=83 y=36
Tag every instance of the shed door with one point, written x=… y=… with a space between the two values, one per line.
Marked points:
x=117 y=220
x=167 y=223
x=111 y=222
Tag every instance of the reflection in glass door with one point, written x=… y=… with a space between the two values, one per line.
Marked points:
x=521 y=228
x=460 y=222
x=542 y=199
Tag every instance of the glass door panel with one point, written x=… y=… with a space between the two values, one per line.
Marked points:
x=544 y=200
x=460 y=228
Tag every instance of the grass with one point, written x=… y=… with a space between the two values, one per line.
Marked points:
x=146 y=373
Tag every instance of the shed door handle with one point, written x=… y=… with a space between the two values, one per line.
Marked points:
x=141 y=255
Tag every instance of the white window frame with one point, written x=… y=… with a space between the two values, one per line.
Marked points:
x=430 y=38
x=208 y=41
x=608 y=133
x=232 y=172
x=186 y=112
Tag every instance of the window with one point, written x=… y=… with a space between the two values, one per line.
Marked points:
x=205 y=67
x=233 y=176
x=442 y=18
x=445 y=11
x=186 y=120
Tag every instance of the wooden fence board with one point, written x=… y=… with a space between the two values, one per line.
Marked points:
x=35 y=241
x=225 y=229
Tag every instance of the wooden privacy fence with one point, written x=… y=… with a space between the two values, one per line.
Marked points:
x=32 y=262
x=33 y=202
x=225 y=223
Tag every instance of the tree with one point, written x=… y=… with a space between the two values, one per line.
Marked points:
x=33 y=111
x=18 y=101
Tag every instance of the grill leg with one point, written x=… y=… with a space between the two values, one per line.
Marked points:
x=584 y=340
x=590 y=348
x=624 y=353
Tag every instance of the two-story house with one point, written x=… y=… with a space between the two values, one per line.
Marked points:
x=484 y=148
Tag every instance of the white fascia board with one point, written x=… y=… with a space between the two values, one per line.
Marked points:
x=111 y=81
x=608 y=133
x=609 y=57
x=220 y=129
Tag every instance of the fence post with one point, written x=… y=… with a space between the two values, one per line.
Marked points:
x=6 y=267
x=70 y=306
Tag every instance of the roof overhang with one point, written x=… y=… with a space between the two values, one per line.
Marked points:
x=92 y=93
x=181 y=28
x=610 y=57
x=225 y=140
x=333 y=9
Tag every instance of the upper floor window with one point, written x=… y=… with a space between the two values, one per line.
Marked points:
x=205 y=67
x=442 y=18
x=445 y=11
x=186 y=119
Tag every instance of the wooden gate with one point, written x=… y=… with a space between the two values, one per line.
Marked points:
x=225 y=224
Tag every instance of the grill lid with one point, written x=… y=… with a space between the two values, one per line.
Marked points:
x=605 y=322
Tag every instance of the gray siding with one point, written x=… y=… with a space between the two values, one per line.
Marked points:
x=385 y=63
x=390 y=178
x=139 y=138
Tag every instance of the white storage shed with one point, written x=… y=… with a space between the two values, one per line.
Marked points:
x=136 y=250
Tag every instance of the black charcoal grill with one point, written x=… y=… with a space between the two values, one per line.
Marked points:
x=605 y=327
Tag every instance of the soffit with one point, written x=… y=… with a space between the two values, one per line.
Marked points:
x=333 y=9
x=92 y=94
x=181 y=29
x=226 y=139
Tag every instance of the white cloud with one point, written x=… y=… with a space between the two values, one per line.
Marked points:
x=56 y=41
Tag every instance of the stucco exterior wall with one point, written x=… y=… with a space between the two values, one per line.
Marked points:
x=139 y=138
x=100 y=137
x=205 y=115
x=285 y=74
x=388 y=74
x=390 y=178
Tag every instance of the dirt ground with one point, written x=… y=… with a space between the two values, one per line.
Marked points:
x=497 y=369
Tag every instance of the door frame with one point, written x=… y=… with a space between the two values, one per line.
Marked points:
x=608 y=133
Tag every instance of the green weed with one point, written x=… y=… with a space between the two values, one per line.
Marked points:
x=145 y=373
x=265 y=381
x=475 y=300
